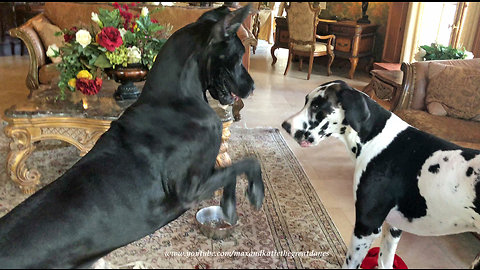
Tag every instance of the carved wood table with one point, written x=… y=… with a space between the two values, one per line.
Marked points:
x=47 y=118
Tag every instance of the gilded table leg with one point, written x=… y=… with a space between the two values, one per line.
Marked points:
x=353 y=66
x=21 y=148
x=223 y=158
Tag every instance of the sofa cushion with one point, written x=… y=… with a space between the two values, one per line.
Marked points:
x=448 y=128
x=47 y=31
x=457 y=89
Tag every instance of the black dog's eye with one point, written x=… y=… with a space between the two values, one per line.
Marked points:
x=315 y=108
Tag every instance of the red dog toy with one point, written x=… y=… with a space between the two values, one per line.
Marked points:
x=371 y=260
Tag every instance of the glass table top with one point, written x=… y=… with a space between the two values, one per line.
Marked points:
x=47 y=103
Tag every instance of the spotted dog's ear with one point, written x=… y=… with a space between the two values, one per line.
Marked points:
x=227 y=26
x=355 y=106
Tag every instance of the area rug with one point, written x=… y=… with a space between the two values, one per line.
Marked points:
x=291 y=230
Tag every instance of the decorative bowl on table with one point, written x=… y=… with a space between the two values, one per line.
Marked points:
x=212 y=223
x=126 y=76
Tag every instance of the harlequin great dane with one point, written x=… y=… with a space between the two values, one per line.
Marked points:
x=154 y=163
x=408 y=179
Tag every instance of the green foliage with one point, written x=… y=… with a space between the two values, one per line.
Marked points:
x=109 y=18
x=142 y=33
x=439 y=52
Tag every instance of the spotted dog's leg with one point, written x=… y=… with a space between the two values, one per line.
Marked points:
x=388 y=246
x=359 y=246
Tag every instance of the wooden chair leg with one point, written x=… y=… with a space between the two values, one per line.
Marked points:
x=310 y=65
x=330 y=61
x=289 y=61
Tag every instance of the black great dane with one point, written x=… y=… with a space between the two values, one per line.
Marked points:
x=409 y=179
x=154 y=163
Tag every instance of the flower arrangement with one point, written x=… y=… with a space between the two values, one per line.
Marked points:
x=123 y=39
x=439 y=52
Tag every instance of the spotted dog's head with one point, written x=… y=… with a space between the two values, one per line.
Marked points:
x=332 y=109
x=223 y=73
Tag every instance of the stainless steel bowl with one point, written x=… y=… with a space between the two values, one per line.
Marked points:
x=212 y=223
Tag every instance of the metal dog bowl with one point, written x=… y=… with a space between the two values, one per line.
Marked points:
x=212 y=223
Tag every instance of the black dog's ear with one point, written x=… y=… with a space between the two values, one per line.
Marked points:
x=355 y=106
x=228 y=25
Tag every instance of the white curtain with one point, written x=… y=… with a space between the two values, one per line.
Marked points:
x=412 y=31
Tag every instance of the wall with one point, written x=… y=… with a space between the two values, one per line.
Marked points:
x=377 y=14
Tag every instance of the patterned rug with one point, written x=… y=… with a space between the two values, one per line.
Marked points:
x=292 y=230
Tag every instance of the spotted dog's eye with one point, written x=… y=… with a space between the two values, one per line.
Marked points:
x=315 y=108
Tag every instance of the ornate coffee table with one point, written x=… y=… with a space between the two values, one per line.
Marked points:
x=79 y=120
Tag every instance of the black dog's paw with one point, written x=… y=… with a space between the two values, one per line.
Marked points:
x=255 y=194
x=229 y=210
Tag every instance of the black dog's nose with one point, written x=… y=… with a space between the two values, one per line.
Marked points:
x=287 y=127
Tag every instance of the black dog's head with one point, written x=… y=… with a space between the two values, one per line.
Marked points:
x=332 y=109
x=222 y=71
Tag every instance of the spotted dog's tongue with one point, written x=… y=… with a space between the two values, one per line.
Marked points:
x=305 y=144
x=235 y=97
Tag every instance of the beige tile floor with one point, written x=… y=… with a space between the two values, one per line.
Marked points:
x=328 y=165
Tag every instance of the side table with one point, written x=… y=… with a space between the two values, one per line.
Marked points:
x=385 y=87
x=78 y=120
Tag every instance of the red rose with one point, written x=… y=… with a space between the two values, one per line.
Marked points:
x=70 y=35
x=89 y=87
x=153 y=21
x=110 y=38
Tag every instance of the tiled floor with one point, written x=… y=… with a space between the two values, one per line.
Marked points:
x=328 y=165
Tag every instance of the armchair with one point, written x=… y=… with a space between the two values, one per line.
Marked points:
x=302 y=20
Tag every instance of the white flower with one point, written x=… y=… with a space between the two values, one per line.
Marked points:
x=53 y=50
x=144 y=12
x=420 y=54
x=95 y=17
x=134 y=55
x=122 y=32
x=469 y=55
x=83 y=37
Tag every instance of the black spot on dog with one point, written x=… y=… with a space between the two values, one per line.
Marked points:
x=469 y=171
x=342 y=130
x=455 y=224
x=445 y=159
x=434 y=168
x=358 y=266
x=354 y=149
x=321 y=132
x=468 y=154
x=287 y=127
x=329 y=134
x=381 y=254
x=305 y=125
x=347 y=261
x=344 y=122
x=307 y=133
x=310 y=139
x=335 y=123
x=359 y=147
x=476 y=202
x=358 y=248
x=298 y=134
x=325 y=126
x=314 y=124
x=395 y=232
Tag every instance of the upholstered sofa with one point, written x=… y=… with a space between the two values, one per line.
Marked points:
x=65 y=15
x=418 y=103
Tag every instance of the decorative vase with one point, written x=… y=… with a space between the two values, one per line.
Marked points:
x=126 y=76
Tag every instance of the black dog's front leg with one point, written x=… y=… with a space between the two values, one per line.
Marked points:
x=227 y=177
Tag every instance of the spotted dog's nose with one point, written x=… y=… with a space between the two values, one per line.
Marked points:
x=287 y=127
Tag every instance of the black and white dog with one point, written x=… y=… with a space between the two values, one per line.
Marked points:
x=154 y=163
x=408 y=179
